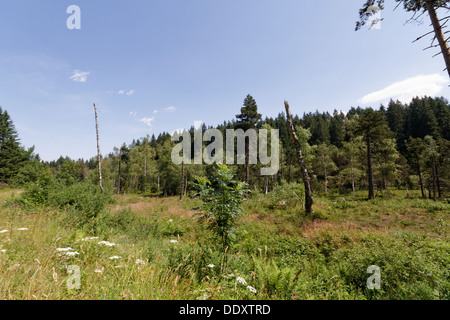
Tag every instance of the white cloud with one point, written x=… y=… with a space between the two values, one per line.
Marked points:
x=156 y=111
x=147 y=121
x=133 y=113
x=170 y=109
x=422 y=85
x=128 y=93
x=79 y=76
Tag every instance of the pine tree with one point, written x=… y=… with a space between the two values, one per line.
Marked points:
x=247 y=119
x=12 y=154
x=373 y=127
x=416 y=149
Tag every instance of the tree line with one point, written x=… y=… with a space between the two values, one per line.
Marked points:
x=405 y=146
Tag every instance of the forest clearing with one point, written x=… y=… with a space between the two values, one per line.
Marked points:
x=153 y=248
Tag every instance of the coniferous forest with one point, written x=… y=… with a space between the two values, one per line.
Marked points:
x=410 y=151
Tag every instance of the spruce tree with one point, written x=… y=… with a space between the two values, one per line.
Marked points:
x=372 y=125
x=12 y=154
x=247 y=119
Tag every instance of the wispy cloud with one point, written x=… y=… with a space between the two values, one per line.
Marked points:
x=406 y=90
x=147 y=121
x=170 y=109
x=128 y=93
x=79 y=76
x=133 y=113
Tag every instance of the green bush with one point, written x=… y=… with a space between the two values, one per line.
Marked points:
x=412 y=267
x=286 y=196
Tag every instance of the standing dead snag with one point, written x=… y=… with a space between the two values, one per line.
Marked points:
x=98 y=151
x=305 y=175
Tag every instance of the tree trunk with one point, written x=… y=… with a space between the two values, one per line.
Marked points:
x=438 y=183
x=353 y=176
x=369 y=169
x=266 y=185
x=247 y=158
x=429 y=188
x=182 y=181
x=434 y=180
x=98 y=152
x=326 y=176
x=420 y=180
x=289 y=172
x=305 y=175
x=118 y=178
x=145 y=174
x=282 y=168
x=439 y=33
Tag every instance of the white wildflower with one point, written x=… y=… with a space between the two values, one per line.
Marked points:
x=4 y=231
x=114 y=257
x=3 y=250
x=107 y=243
x=22 y=229
x=72 y=254
x=64 y=249
x=241 y=280
x=173 y=241
x=139 y=261
x=89 y=238
x=211 y=265
x=171 y=220
x=98 y=270
x=251 y=289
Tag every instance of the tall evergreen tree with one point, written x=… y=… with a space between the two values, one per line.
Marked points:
x=247 y=119
x=12 y=154
x=373 y=127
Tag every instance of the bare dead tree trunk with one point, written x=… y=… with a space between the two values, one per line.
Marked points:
x=439 y=33
x=98 y=152
x=305 y=175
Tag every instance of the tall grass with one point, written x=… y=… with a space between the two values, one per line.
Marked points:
x=163 y=253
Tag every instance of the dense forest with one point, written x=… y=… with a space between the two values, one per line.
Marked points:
x=405 y=146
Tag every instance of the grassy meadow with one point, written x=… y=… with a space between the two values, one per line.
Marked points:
x=144 y=247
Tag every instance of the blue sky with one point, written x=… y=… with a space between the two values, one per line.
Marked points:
x=153 y=66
